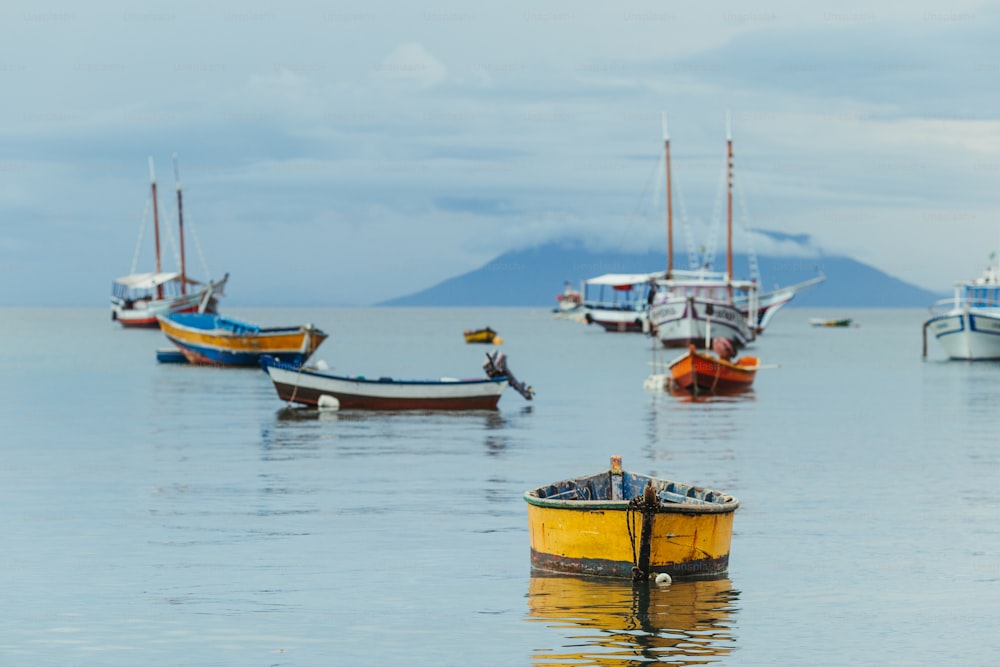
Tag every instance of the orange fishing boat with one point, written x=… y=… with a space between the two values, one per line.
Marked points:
x=701 y=372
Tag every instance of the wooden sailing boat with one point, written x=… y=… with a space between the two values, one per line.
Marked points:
x=138 y=298
x=685 y=300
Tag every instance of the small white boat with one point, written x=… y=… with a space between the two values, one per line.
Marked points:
x=968 y=324
x=570 y=304
x=314 y=388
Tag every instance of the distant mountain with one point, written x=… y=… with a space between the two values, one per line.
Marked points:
x=535 y=276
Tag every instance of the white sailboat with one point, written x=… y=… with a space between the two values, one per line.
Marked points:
x=138 y=298
x=686 y=300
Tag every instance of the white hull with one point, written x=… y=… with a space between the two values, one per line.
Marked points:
x=309 y=387
x=145 y=312
x=618 y=319
x=682 y=321
x=968 y=334
x=574 y=311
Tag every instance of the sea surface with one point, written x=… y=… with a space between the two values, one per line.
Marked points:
x=158 y=514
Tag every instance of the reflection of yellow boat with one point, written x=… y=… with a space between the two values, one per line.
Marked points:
x=686 y=623
x=484 y=335
x=622 y=524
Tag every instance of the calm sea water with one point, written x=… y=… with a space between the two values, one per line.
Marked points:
x=161 y=514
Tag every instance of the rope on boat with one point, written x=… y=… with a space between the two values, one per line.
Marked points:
x=138 y=243
x=295 y=387
x=647 y=505
x=718 y=372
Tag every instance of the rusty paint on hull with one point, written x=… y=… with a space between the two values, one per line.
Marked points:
x=599 y=567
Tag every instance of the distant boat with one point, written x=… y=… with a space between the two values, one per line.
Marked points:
x=820 y=322
x=968 y=324
x=769 y=303
x=315 y=388
x=686 y=300
x=617 y=302
x=214 y=339
x=617 y=523
x=570 y=303
x=138 y=298
x=485 y=335
x=695 y=299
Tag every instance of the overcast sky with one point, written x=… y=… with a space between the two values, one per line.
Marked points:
x=345 y=153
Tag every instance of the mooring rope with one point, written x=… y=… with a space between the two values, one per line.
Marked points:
x=295 y=387
x=647 y=505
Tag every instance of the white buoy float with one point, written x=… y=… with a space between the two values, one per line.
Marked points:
x=656 y=382
x=663 y=579
x=327 y=402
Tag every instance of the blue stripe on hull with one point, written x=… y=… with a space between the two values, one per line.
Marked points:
x=212 y=355
x=967 y=336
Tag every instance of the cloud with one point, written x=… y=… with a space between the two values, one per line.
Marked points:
x=926 y=62
x=410 y=64
x=429 y=127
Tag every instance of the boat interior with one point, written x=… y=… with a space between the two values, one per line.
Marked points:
x=599 y=487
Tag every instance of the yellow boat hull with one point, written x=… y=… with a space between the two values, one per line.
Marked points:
x=486 y=335
x=585 y=526
x=597 y=542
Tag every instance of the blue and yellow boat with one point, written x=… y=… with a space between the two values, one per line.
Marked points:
x=622 y=524
x=214 y=339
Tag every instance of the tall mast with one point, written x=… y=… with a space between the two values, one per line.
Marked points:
x=670 y=208
x=729 y=196
x=180 y=225
x=156 y=226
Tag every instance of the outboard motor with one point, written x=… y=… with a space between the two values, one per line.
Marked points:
x=496 y=366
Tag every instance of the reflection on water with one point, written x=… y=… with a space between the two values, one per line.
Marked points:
x=960 y=398
x=674 y=419
x=365 y=432
x=492 y=418
x=728 y=397
x=612 y=623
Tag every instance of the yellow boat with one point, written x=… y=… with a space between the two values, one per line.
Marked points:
x=484 y=335
x=617 y=523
